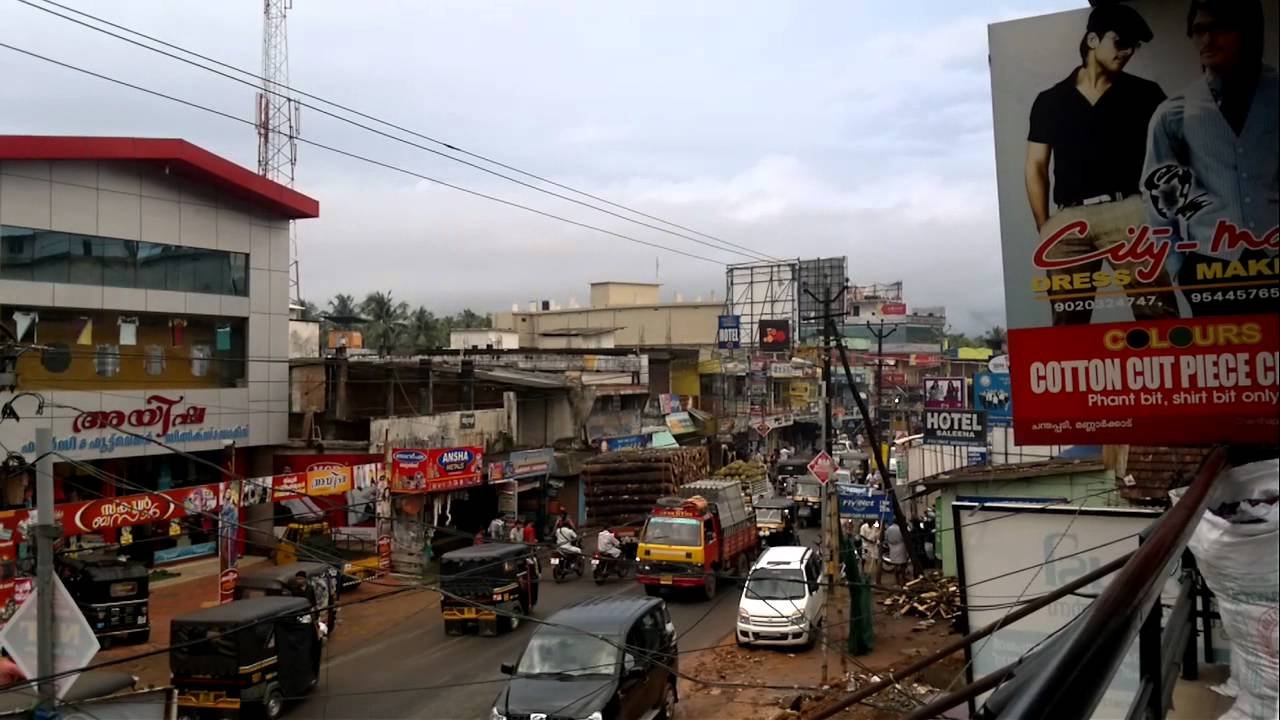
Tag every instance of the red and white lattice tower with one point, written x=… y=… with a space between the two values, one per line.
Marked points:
x=278 y=115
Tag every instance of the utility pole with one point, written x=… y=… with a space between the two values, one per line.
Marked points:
x=880 y=336
x=830 y=514
x=873 y=439
x=47 y=530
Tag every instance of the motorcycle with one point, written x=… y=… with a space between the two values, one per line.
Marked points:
x=563 y=563
x=602 y=566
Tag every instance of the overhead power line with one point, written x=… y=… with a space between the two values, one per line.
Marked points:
x=283 y=89
x=362 y=158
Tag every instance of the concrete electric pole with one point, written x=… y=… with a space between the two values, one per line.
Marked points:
x=47 y=531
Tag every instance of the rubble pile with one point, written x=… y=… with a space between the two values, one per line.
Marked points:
x=906 y=695
x=932 y=597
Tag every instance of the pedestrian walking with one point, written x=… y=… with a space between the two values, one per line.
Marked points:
x=895 y=558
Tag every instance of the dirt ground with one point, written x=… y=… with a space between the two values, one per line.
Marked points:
x=898 y=641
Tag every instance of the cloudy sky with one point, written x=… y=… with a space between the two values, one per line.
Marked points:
x=797 y=129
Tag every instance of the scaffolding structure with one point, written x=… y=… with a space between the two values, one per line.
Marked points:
x=762 y=291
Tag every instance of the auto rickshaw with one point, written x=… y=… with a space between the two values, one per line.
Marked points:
x=776 y=520
x=318 y=542
x=322 y=587
x=486 y=586
x=112 y=593
x=244 y=657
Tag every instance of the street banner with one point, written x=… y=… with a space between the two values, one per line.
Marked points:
x=729 y=332
x=993 y=394
x=775 y=335
x=288 y=485
x=945 y=393
x=1137 y=159
x=955 y=427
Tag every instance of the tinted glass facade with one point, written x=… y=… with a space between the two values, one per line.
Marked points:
x=52 y=256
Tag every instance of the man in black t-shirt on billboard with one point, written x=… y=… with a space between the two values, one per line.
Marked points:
x=1093 y=124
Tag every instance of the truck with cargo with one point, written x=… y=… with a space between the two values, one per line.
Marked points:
x=688 y=540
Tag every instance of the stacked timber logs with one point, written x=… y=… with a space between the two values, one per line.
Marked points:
x=622 y=487
x=931 y=597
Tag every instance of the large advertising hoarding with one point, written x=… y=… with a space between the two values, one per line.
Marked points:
x=1136 y=153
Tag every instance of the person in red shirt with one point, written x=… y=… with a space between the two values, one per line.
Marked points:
x=530 y=534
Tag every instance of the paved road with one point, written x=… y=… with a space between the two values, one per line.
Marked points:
x=416 y=671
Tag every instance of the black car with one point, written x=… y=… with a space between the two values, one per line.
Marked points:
x=575 y=665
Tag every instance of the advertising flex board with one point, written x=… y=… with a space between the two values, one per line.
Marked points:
x=993 y=394
x=1136 y=158
x=729 y=332
x=775 y=335
x=860 y=501
x=944 y=393
x=456 y=468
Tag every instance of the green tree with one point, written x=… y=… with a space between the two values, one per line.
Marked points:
x=995 y=338
x=387 y=321
x=468 y=318
x=310 y=311
x=424 y=330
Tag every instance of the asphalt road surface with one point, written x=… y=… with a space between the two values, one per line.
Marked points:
x=416 y=671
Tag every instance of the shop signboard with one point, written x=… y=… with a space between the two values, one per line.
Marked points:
x=893 y=308
x=945 y=393
x=681 y=423
x=329 y=481
x=955 y=427
x=729 y=332
x=455 y=468
x=1140 y=266
x=626 y=442
x=783 y=370
x=993 y=394
x=522 y=464
x=288 y=485
x=775 y=335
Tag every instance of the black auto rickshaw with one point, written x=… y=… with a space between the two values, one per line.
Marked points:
x=244 y=657
x=112 y=593
x=776 y=521
x=321 y=587
x=487 y=586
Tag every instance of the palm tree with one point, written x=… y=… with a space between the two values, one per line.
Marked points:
x=310 y=311
x=995 y=338
x=386 y=320
x=343 y=307
x=470 y=319
x=424 y=330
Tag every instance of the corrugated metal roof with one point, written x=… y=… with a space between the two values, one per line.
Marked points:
x=1016 y=471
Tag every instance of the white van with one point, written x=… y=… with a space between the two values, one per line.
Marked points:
x=783 y=599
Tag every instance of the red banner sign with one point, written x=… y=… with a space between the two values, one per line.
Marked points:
x=456 y=468
x=1196 y=381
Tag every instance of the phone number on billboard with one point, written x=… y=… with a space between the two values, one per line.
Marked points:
x=1102 y=302
x=1242 y=294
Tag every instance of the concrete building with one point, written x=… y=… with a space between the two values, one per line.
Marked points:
x=634 y=311
x=147 y=281
x=483 y=339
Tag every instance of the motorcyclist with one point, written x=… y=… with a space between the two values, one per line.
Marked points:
x=567 y=540
x=607 y=544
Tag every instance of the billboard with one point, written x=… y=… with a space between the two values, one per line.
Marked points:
x=993 y=394
x=1136 y=161
x=944 y=393
x=861 y=501
x=729 y=332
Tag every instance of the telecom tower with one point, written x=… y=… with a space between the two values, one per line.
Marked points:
x=278 y=116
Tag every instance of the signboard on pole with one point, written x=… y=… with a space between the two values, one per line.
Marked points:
x=862 y=502
x=955 y=427
x=1141 y=278
x=823 y=466
x=73 y=646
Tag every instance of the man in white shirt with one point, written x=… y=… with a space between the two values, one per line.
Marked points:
x=497 y=529
x=567 y=540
